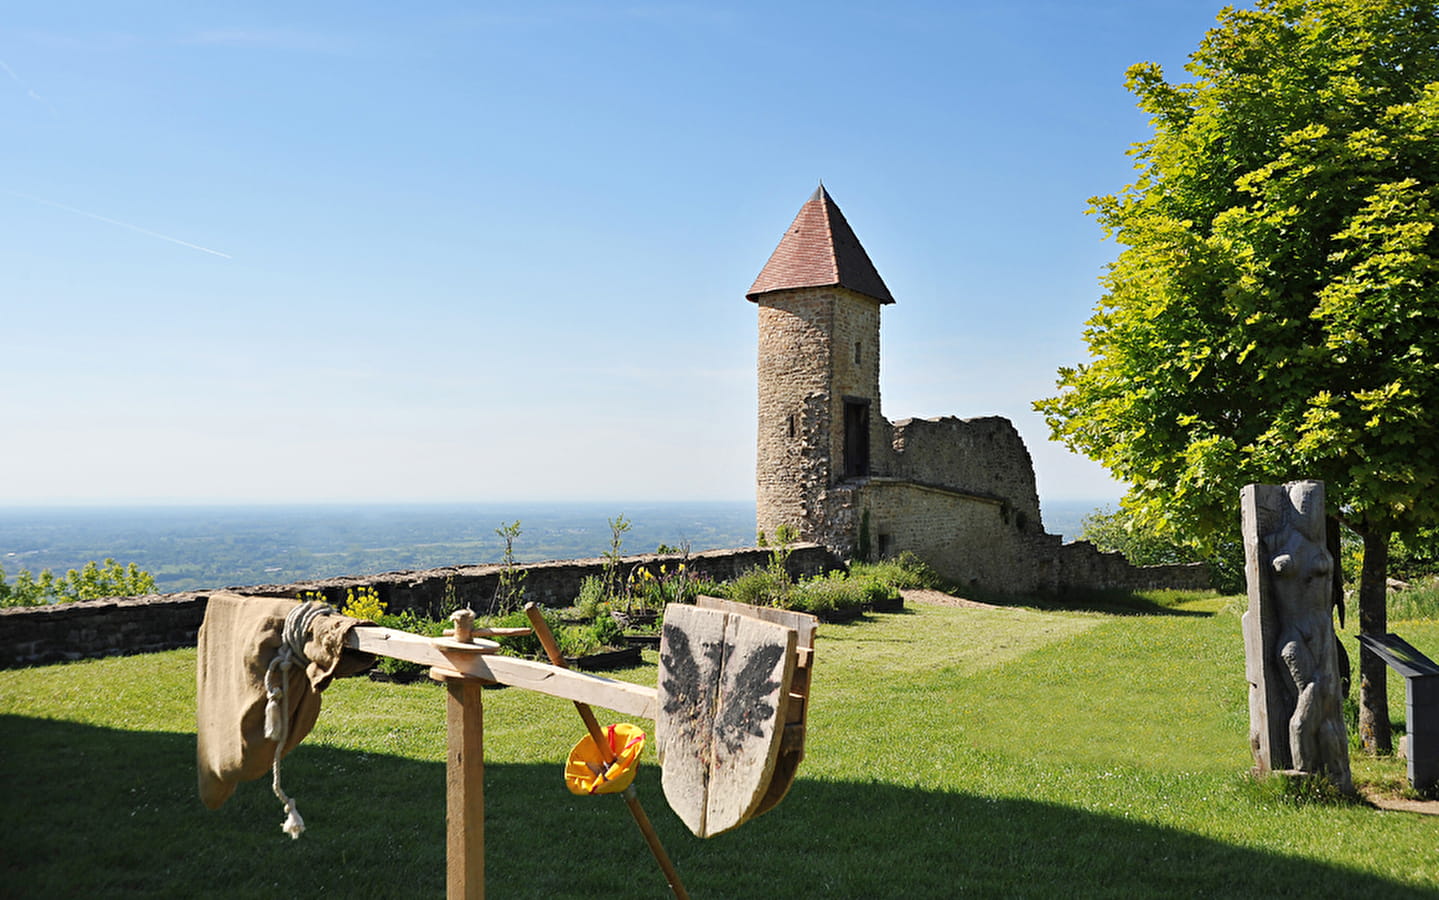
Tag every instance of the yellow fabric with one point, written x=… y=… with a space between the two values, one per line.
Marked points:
x=586 y=773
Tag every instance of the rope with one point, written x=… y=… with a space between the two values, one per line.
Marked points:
x=277 y=701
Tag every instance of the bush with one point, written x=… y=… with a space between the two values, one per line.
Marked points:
x=592 y=596
x=904 y=572
x=839 y=592
x=710 y=588
x=830 y=593
x=759 y=587
x=91 y=582
x=606 y=630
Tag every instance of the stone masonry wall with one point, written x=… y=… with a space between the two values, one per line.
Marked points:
x=34 y=635
x=795 y=419
x=855 y=376
x=984 y=456
x=969 y=540
x=818 y=347
x=982 y=542
x=1082 y=566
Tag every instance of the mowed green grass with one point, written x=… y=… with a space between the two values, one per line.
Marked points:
x=1013 y=751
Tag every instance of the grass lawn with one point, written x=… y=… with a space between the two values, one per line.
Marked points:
x=1016 y=751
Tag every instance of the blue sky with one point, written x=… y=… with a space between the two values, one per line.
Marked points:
x=279 y=252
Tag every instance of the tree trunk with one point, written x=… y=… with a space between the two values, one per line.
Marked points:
x=1373 y=619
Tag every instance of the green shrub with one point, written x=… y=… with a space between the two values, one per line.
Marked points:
x=524 y=645
x=904 y=572
x=606 y=630
x=91 y=582
x=875 y=593
x=835 y=592
x=592 y=596
x=710 y=588
x=575 y=639
x=758 y=587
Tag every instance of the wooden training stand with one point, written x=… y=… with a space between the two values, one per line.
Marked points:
x=729 y=712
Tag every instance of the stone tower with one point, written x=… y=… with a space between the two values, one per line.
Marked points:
x=958 y=493
x=819 y=300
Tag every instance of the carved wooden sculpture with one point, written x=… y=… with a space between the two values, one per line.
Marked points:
x=1296 y=715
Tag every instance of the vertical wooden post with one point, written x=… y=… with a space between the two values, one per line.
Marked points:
x=465 y=791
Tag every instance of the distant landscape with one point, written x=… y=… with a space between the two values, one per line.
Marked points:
x=198 y=548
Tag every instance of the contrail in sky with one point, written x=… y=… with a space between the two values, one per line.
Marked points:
x=29 y=91
x=97 y=216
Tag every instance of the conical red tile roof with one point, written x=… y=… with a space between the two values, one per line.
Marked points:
x=820 y=250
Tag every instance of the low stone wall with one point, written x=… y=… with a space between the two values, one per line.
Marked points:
x=35 y=635
x=31 y=635
x=1082 y=566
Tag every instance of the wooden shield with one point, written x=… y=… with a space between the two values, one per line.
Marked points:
x=724 y=685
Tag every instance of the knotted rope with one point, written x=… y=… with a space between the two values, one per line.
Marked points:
x=277 y=700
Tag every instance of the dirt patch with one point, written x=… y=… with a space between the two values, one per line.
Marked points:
x=1399 y=804
x=939 y=598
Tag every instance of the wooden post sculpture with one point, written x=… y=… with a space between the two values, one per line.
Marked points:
x=1296 y=717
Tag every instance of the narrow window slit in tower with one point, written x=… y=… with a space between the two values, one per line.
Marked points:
x=856 y=352
x=791 y=425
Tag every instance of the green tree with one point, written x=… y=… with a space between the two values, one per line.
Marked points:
x=1116 y=532
x=1274 y=312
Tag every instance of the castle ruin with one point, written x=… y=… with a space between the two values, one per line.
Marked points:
x=959 y=493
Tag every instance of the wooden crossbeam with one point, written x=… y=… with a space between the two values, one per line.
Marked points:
x=482 y=663
x=752 y=754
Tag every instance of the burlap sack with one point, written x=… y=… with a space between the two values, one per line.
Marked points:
x=238 y=639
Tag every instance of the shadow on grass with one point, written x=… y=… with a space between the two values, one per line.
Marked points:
x=101 y=812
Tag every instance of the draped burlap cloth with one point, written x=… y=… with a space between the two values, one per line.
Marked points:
x=239 y=638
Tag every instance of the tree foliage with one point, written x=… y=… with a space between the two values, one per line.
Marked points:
x=1274 y=311
x=1115 y=531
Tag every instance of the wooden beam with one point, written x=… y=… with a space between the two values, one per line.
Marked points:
x=413 y=647
x=567 y=684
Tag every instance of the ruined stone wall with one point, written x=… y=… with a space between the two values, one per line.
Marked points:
x=34 y=635
x=1081 y=566
x=983 y=456
x=970 y=540
x=980 y=542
